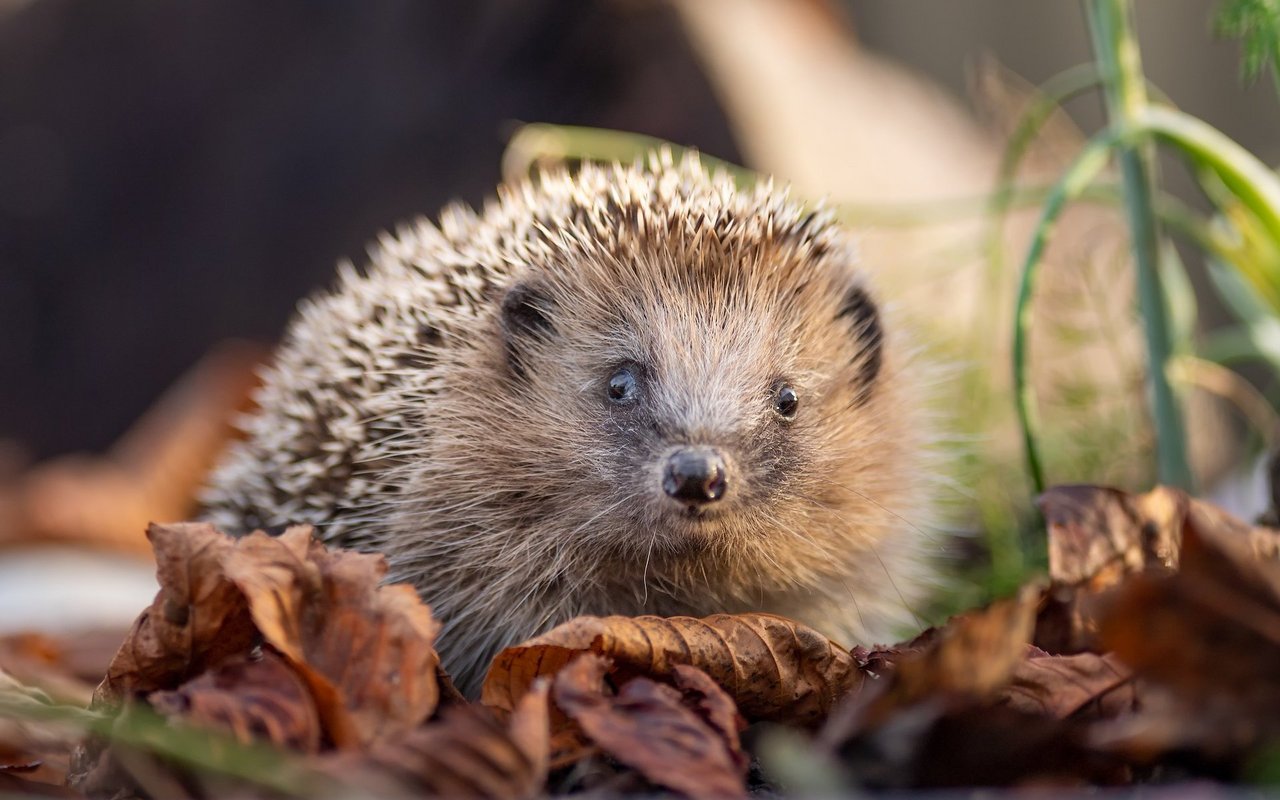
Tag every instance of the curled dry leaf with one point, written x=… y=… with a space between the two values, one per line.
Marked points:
x=1211 y=631
x=198 y=619
x=773 y=668
x=469 y=753
x=974 y=654
x=963 y=705
x=716 y=708
x=648 y=727
x=970 y=659
x=1081 y=686
x=253 y=699
x=354 y=655
x=367 y=646
x=365 y=650
x=1100 y=536
x=1066 y=622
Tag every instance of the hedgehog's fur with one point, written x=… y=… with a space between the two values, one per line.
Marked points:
x=448 y=408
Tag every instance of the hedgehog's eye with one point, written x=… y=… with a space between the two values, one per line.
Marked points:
x=622 y=386
x=785 y=401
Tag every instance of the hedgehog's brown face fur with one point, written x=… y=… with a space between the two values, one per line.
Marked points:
x=691 y=401
x=714 y=413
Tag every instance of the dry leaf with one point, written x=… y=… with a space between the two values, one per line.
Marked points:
x=773 y=668
x=1081 y=686
x=1066 y=622
x=365 y=650
x=1211 y=631
x=975 y=654
x=968 y=660
x=963 y=705
x=1099 y=535
x=253 y=699
x=17 y=785
x=648 y=727
x=469 y=753
x=931 y=748
x=198 y=619
x=716 y=708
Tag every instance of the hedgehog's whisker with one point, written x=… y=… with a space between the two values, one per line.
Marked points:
x=884 y=567
x=880 y=506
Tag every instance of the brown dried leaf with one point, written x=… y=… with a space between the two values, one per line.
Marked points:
x=969 y=708
x=974 y=654
x=1066 y=623
x=969 y=660
x=715 y=707
x=1099 y=535
x=18 y=786
x=1211 y=632
x=931 y=748
x=365 y=650
x=648 y=728
x=252 y=699
x=773 y=668
x=470 y=753
x=198 y=619
x=1081 y=686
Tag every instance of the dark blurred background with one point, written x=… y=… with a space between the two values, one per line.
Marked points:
x=173 y=174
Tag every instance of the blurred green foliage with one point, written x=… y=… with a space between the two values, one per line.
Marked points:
x=1256 y=23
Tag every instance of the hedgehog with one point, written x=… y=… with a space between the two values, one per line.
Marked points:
x=614 y=390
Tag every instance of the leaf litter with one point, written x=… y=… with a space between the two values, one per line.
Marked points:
x=276 y=666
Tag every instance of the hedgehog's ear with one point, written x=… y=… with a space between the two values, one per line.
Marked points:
x=860 y=313
x=526 y=318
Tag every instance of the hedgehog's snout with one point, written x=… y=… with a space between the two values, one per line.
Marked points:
x=695 y=476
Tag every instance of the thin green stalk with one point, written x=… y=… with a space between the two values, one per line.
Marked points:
x=1116 y=50
x=208 y=751
x=1091 y=160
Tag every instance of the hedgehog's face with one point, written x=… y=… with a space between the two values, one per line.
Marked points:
x=692 y=405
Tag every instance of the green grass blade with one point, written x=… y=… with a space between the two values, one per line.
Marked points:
x=1257 y=186
x=1091 y=161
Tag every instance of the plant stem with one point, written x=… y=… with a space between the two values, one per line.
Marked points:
x=1115 y=47
x=1073 y=183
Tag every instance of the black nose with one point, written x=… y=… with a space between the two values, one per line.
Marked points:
x=695 y=475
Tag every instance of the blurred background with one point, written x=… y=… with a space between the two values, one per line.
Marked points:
x=176 y=175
